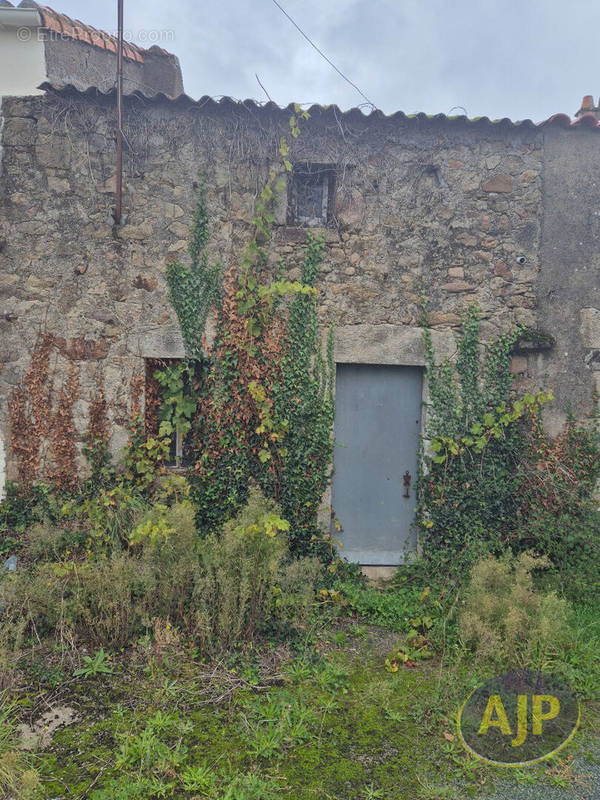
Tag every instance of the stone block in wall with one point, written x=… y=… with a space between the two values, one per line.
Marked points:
x=518 y=365
x=141 y=232
x=457 y=286
x=442 y=318
x=388 y=344
x=19 y=131
x=499 y=183
x=155 y=342
x=590 y=327
x=53 y=151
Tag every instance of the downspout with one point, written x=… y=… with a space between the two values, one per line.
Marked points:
x=119 y=172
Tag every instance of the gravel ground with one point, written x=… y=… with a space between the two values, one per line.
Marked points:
x=587 y=787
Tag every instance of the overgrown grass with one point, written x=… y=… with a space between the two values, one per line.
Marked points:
x=218 y=668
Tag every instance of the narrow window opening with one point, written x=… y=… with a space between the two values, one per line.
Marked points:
x=180 y=445
x=313 y=187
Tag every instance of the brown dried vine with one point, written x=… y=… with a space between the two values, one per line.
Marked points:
x=98 y=427
x=136 y=420
x=36 y=429
x=153 y=395
x=255 y=360
x=30 y=411
x=64 y=451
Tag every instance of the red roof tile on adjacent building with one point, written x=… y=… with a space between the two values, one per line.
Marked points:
x=75 y=29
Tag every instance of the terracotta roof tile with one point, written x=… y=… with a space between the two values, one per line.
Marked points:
x=75 y=29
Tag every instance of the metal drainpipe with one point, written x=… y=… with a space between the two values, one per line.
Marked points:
x=119 y=174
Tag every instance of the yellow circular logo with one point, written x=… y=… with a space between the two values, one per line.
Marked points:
x=518 y=718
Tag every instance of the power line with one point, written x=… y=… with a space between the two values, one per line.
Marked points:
x=263 y=88
x=321 y=53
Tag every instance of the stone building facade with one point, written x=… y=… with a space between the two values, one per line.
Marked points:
x=503 y=214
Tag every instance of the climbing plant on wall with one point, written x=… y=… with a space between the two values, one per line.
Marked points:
x=303 y=396
x=42 y=432
x=193 y=289
x=493 y=477
x=264 y=386
x=469 y=497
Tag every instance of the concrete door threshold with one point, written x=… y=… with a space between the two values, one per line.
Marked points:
x=378 y=573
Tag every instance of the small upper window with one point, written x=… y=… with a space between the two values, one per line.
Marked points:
x=312 y=194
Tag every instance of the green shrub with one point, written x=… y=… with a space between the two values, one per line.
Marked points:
x=221 y=591
x=572 y=543
x=107 y=517
x=294 y=594
x=47 y=541
x=239 y=571
x=21 y=508
x=109 y=600
x=172 y=559
x=506 y=621
x=492 y=478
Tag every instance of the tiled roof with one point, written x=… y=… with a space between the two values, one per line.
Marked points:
x=74 y=29
x=63 y=25
x=586 y=119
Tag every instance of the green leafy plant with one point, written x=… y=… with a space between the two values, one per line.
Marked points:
x=98 y=664
x=468 y=492
x=417 y=645
x=22 y=507
x=198 y=778
x=303 y=397
x=193 y=289
x=491 y=476
x=478 y=442
x=143 y=458
x=251 y=787
x=178 y=403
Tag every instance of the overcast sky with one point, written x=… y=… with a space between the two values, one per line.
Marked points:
x=499 y=58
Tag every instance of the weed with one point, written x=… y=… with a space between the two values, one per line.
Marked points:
x=372 y=793
x=16 y=775
x=198 y=778
x=251 y=787
x=505 y=620
x=98 y=664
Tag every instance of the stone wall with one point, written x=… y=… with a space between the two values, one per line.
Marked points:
x=453 y=207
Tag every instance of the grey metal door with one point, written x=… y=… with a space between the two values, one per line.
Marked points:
x=377 y=425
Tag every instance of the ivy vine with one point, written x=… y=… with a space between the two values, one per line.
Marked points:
x=194 y=289
x=264 y=388
x=471 y=478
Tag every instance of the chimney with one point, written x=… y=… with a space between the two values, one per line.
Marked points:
x=587 y=107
